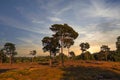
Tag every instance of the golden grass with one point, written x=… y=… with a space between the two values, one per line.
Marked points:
x=73 y=70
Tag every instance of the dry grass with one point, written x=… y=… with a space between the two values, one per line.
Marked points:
x=73 y=70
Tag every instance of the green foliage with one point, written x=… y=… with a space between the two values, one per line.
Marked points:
x=68 y=33
x=84 y=46
x=86 y=56
x=3 y=57
x=50 y=44
x=99 y=56
x=68 y=42
x=115 y=56
x=105 y=48
x=33 y=52
x=118 y=43
x=60 y=29
x=58 y=57
x=72 y=55
x=9 y=49
x=22 y=59
x=28 y=59
x=107 y=56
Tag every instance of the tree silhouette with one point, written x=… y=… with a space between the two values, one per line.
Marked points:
x=72 y=54
x=84 y=46
x=62 y=32
x=50 y=44
x=9 y=49
x=105 y=48
x=118 y=44
x=86 y=56
x=2 y=56
x=33 y=53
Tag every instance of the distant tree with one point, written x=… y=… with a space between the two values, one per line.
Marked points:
x=118 y=44
x=33 y=53
x=50 y=44
x=86 y=56
x=114 y=56
x=61 y=33
x=110 y=56
x=106 y=50
x=2 y=57
x=9 y=49
x=72 y=54
x=95 y=55
x=84 y=46
x=99 y=56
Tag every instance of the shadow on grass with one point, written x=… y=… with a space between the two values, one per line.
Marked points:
x=4 y=70
x=45 y=63
x=88 y=73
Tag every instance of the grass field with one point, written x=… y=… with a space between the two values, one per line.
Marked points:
x=73 y=70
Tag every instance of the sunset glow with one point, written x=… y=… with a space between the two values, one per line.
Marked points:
x=26 y=22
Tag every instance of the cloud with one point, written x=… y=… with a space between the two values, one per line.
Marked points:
x=37 y=21
x=28 y=43
x=98 y=34
x=32 y=16
x=96 y=21
x=100 y=8
x=63 y=10
x=11 y=22
x=109 y=26
x=54 y=19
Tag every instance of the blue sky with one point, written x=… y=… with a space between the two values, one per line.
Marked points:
x=26 y=22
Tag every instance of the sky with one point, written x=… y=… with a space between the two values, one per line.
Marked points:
x=26 y=22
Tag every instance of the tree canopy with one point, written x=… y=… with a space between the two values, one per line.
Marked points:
x=50 y=44
x=9 y=49
x=84 y=46
x=64 y=29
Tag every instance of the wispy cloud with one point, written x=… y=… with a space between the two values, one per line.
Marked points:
x=11 y=22
x=100 y=8
x=63 y=10
x=54 y=19
x=37 y=21
x=96 y=21
x=32 y=42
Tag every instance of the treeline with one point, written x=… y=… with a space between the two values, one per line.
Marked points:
x=63 y=37
x=26 y=59
x=104 y=54
x=101 y=56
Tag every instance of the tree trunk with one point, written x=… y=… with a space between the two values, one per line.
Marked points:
x=106 y=55
x=11 y=57
x=82 y=51
x=68 y=51
x=61 y=59
x=33 y=59
x=1 y=57
x=50 y=61
x=1 y=61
